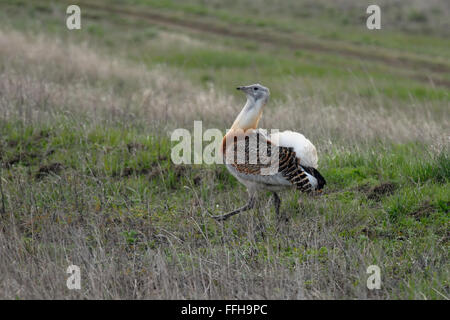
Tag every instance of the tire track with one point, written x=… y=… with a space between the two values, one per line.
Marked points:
x=279 y=40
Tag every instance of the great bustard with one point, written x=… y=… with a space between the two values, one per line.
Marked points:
x=296 y=157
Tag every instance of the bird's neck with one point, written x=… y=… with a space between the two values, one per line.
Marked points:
x=249 y=117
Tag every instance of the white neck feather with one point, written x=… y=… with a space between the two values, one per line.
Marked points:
x=249 y=117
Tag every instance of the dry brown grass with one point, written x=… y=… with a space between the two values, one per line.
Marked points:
x=88 y=83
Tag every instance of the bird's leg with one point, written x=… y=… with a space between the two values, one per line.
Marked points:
x=259 y=225
x=276 y=203
x=250 y=204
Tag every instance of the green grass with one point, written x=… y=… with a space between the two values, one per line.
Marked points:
x=124 y=174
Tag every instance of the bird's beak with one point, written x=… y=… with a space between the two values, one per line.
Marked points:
x=242 y=88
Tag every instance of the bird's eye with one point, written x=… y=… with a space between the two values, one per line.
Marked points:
x=255 y=88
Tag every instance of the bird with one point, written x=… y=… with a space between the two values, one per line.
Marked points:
x=275 y=162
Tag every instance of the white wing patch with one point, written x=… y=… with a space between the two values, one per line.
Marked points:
x=303 y=148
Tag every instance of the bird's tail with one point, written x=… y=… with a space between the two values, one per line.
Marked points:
x=316 y=174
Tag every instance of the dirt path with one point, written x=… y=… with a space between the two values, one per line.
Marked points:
x=289 y=42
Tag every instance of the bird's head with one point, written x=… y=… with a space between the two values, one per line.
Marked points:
x=256 y=92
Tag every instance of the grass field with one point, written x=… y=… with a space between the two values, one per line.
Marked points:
x=86 y=176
